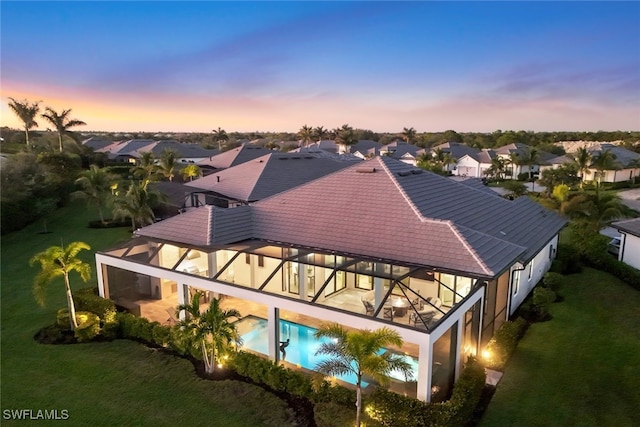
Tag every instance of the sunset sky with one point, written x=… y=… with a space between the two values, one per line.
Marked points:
x=275 y=66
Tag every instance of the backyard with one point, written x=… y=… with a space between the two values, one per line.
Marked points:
x=109 y=383
x=582 y=367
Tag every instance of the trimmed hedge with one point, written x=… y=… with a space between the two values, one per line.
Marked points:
x=88 y=326
x=392 y=409
x=86 y=299
x=504 y=342
x=595 y=255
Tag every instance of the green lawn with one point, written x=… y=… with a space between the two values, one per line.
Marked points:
x=582 y=368
x=115 y=383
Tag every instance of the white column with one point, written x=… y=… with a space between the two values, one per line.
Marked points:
x=459 y=341
x=378 y=290
x=425 y=355
x=100 y=278
x=302 y=281
x=273 y=328
x=183 y=297
x=212 y=264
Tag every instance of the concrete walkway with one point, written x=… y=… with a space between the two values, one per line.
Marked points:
x=631 y=198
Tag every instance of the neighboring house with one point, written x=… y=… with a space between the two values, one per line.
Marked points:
x=512 y=153
x=179 y=197
x=629 y=251
x=474 y=165
x=96 y=143
x=233 y=157
x=263 y=177
x=125 y=151
x=379 y=243
x=365 y=148
x=627 y=163
x=187 y=153
x=458 y=151
x=398 y=149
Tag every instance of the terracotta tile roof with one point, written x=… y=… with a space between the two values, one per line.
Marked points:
x=385 y=209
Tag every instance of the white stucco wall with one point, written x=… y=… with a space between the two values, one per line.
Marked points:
x=532 y=273
x=630 y=250
x=467 y=166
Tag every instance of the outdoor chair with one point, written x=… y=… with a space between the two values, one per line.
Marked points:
x=172 y=320
x=369 y=308
x=387 y=313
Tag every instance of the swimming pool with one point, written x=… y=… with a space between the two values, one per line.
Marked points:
x=302 y=345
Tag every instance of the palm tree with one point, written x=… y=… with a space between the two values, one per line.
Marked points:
x=582 y=158
x=191 y=171
x=409 y=135
x=357 y=353
x=594 y=211
x=96 y=187
x=443 y=158
x=306 y=135
x=320 y=132
x=60 y=261
x=168 y=164
x=137 y=204
x=27 y=112
x=604 y=161
x=346 y=137
x=220 y=135
x=61 y=122
x=213 y=331
x=497 y=168
x=530 y=158
x=146 y=168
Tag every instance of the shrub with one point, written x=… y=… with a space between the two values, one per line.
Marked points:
x=552 y=281
x=86 y=299
x=392 y=409
x=62 y=318
x=567 y=261
x=542 y=297
x=524 y=176
x=595 y=254
x=88 y=326
x=161 y=334
x=504 y=342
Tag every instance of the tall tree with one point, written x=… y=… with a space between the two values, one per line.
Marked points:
x=582 y=158
x=220 y=136
x=61 y=122
x=409 y=135
x=137 y=204
x=168 y=164
x=345 y=137
x=191 y=171
x=146 y=168
x=530 y=158
x=593 y=211
x=213 y=332
x=305 y=134
x=59 y=261
x=497 y=168
x=27 y=113
x=319 y=132
x=357 y=352
x=95 y=185
x=604 y=161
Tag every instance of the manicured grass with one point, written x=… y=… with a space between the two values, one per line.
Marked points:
x=582 y=368
x=112 y=383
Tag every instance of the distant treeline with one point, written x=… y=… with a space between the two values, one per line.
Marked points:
x=495 y=139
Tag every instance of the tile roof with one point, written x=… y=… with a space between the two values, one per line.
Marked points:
x=268 y=175
x=624 y=157
x=631 y=226
x=183 y=150
x=386 y=209
x=456 y=149
x=234 y=157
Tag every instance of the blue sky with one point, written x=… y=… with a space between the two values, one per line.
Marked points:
x=275 y=66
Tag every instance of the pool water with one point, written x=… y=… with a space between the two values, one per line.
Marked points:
x=302 y=345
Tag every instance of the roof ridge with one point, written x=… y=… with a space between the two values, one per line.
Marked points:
x=415 y=209
x=210 y=225
x=468 y=247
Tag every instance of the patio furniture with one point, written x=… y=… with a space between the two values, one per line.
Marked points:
x=387 y=313
x=369 y=308
x=172 y=320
